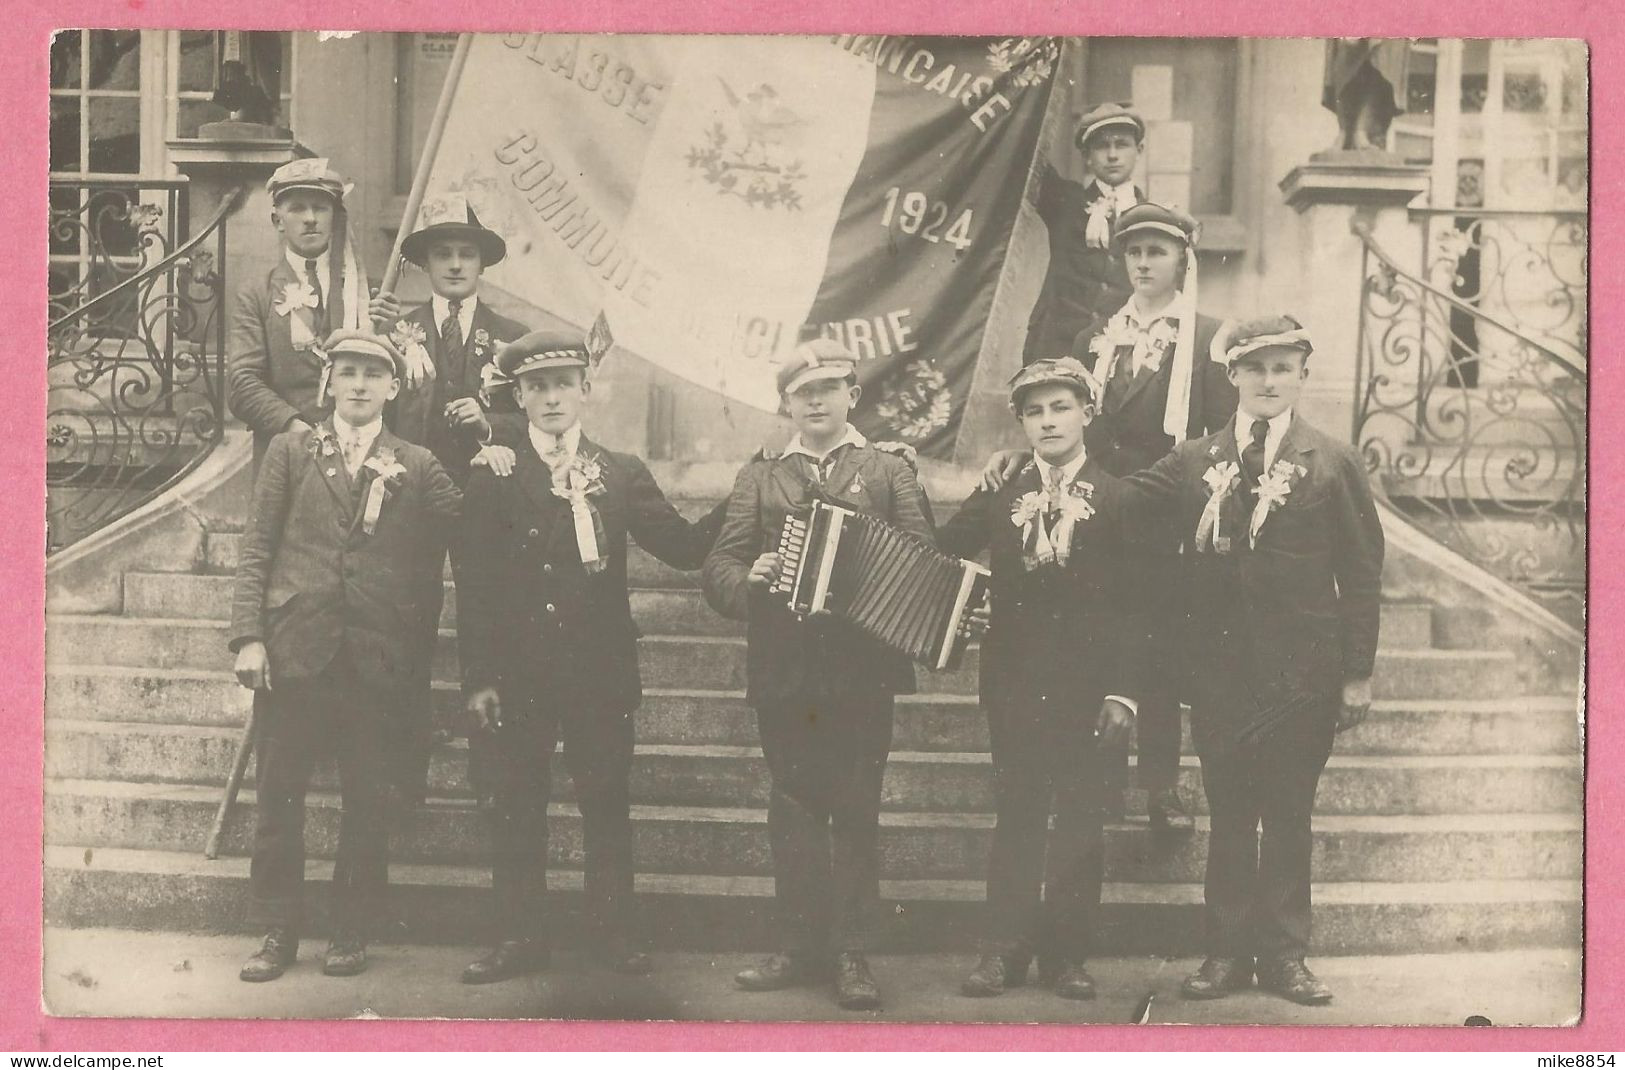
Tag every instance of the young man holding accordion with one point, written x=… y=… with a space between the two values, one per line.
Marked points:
x=823 y=692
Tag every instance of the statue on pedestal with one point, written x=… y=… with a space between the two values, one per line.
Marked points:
x=248 y=84
x=1365 y=88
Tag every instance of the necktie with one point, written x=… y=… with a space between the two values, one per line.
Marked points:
x=1052 y=489
x=451 y=331
x=1252 y=457
x=319 y=313
x=353 y=453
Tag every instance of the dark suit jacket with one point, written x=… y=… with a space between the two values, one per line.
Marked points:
x=529 y=614
x=270 y=383
x=310 y=580
x=788 y=658
x=417 y=415
x=1059 y=638
x=1272 y=633
x=1127 y=435
x=1081 y=282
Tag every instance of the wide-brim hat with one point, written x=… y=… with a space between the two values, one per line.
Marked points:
x=1058 y=371
x=540 y=350
x=1147 y=217
x=451 y=218
x=349 y=342
x=1104 y=117
x=1238 y=338
x=817 y=358
x=310 y=174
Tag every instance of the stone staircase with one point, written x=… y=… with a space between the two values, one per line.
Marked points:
x=1450 y=820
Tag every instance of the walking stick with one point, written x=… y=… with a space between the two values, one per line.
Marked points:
x=234 y=783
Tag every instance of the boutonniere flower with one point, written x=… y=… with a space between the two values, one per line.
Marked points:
x=482 y=341
x=387 y=473
x=323 y=444
x=412 y=340
x=1273 y=488
x=1222 y=479
x=576 y=483
x=491 y=379
x=295 y=295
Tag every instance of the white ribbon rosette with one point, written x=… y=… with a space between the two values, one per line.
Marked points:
x=1221 y=479
x=576 y=483
x=296 y=298
x=1273 y=488
x=410 y=338
x=1040 y=545
x=387 y=472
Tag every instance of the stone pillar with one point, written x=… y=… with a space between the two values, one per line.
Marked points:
x=232 y=155
x=1331 y=192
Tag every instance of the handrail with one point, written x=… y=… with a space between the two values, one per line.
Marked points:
x=1362 y=230
x=228 y=204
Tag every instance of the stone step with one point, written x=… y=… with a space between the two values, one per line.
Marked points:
x=716 y=662
x=642 y=569
x=180 y=891
x=658 y=610
x=723 y=776
x=925 y=722
x=734 y=842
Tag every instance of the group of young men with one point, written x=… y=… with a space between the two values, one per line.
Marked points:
x=1175 y=533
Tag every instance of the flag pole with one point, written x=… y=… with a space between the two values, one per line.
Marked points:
x=431 y=147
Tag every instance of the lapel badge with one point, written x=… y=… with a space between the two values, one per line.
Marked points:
x=857 y=484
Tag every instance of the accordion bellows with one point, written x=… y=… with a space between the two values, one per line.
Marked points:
x=888 y=584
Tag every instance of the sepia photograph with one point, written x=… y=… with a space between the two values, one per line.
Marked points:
x=840 y=528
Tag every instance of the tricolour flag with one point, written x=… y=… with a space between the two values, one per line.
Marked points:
x=716 y=199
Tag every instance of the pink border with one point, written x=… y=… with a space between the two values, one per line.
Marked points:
x=24 y=1027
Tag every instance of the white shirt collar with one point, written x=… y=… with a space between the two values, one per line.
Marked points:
x=545 y=443
x=1123 y=195
x=440 y=308
x=323 y=271
x=1069 y=470
x=853 y=437
x=364 y=434
x=1141 y=318
x=1272 y=440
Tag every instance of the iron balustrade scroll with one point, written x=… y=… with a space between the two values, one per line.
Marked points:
x=1471 y=414
x=136 y=348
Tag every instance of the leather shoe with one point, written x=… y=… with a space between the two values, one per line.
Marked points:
x=1217 y=977
x=994 y=974
x=275 y=955
x=788 y=970
x=1169 y=812
x=511 y=958
x=1292 y=979
x=1075 y=982
x=346 y=955
x=619 y=956
x=855 y=988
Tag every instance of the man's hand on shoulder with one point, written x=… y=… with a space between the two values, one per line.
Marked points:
x=1001 y=468
x=499 y=459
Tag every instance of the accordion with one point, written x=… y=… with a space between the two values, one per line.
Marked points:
x=890 y=585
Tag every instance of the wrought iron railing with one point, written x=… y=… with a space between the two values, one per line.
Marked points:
x=1472 y=424
x=136 y=348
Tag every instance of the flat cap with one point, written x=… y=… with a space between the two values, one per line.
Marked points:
x=1061 y=371
x=365 y=344
x=1104 y=116
x=311 y=173
x=816 y=358
x=542 y=349
x=1239 y=337
x=1157 y=218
